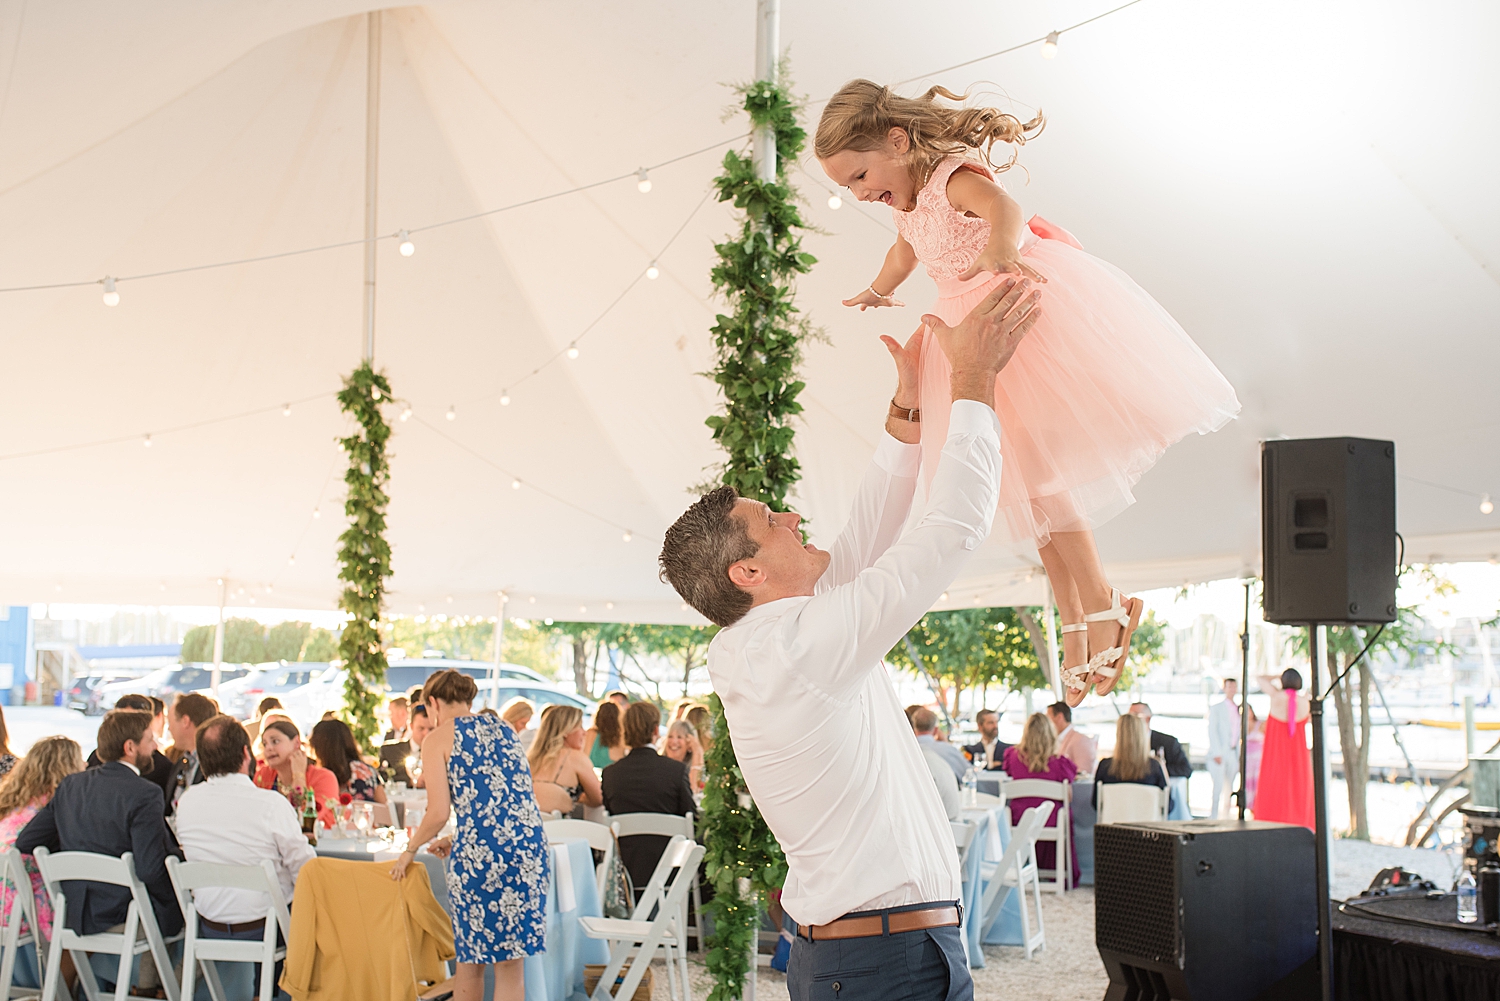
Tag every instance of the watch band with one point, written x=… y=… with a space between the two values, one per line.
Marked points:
x=902 y=414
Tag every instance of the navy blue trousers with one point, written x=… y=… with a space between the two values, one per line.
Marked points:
x=925 y=965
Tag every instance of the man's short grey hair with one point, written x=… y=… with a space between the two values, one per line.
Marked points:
x=698 y=551
x=924 y=720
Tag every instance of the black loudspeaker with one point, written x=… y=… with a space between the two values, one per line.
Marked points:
x=1328 y=530
x=1200 y=909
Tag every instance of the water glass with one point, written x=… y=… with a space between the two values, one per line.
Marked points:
x=414 y=815
x=364 y=818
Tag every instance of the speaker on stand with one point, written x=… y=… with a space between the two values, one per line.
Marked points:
x=1328 y=534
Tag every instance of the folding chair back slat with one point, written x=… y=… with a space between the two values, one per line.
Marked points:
x=189 y=877
x=627 y=825
x=600 y=839
x=645 y=932
x=22 y=908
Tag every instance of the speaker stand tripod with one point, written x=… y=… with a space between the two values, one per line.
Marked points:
x=1320 y=820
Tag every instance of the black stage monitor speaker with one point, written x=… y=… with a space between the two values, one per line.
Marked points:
x=1328 y=528
x=1206 y=909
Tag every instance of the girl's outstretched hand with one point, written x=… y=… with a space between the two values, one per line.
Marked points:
x=868 y=299
x=1000 y=261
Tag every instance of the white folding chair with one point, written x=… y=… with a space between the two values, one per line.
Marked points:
x=656 y=923
x=600 y=839
x=190 y=877
x=963 y=840
x=22 y=908
x=668 y=825
x=1060 y=793
x=62 y=867
x=1017 y=868
x=1130 y=802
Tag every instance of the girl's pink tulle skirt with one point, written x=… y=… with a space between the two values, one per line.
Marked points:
x=1097 y=391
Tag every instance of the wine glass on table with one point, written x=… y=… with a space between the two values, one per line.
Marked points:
x=414 y=815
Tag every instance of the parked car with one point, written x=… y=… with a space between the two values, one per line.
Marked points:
x=241 y=696
x=168 y=682
x=84 y=693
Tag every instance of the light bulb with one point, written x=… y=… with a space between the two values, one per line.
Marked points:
x=504 y=398
x=653 y=272
x=835 y=202
x=610 y=605
x=642 y=181
x=515 y=484
x=531 y=600
x=1486 y=506
x=163 y=586
x=147 y=443
x=583 y=609
x=407 y=248
x=374 y=392
x=450 y=599
x=1049 y=47
x=291 y=561
x=317 y=513
x=286 y=410
x=111 y=297
x=626 y=536
x=406 y=413
x=452 y=414
x=684 y=606
x=268 y=588
x=572 y=350
x=943 y=596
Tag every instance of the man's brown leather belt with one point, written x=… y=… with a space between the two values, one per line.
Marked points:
x=259 y=924
x=871 y=925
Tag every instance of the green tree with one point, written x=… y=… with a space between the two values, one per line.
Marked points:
x=285 y=640
x=589 y=641
x=685 y=647
x=244 y=643
x=972 y=648
x=321 y=646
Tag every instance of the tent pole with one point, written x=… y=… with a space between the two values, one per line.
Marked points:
x=1053 y=674
x=219 y=641
x=1240 y=794
x=372 y=171
x=767 y=54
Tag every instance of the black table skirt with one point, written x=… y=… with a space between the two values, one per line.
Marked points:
x=1377 y=960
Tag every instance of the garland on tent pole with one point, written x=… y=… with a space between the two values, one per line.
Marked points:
x=363 y=551
x=758 y=347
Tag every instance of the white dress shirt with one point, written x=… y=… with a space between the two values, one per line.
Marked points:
x=227 y=819
x=820 y=735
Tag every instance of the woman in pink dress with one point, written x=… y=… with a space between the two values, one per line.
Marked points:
x=1036 y=757
x=1284 y=792
x=1099 y=389
x=25 y=790
x=1255 y=743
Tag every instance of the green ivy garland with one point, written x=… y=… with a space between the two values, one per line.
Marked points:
x=363 y=552
x=758 y=347
x=738 y=846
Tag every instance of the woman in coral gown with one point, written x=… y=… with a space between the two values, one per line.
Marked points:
x=1285 y=791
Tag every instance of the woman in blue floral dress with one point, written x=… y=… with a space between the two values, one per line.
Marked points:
x=498 y=866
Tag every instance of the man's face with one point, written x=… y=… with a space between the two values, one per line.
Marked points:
x=399 y=716
x=144 y=749
x=989 y=726
x=182 y=729
x=421 y=726
x=1231 y=688
x=1058 y=723
x=1140 y=710
x=783 y=560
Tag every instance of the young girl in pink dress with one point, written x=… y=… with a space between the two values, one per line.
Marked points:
x=1103 y=383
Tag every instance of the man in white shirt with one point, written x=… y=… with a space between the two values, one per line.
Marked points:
x=825 y=749
x=1224 y=745
x=228 y=820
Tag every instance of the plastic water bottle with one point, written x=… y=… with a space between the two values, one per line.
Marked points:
x=1468 y=898
x=971 y=787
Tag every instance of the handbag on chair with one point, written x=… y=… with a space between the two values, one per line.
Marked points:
x=619 y=892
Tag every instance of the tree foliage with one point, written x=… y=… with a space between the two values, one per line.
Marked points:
x=971 y=648
x=248 y=642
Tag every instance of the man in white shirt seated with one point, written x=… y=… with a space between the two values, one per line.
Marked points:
x=939 y=766
x=825 y=749
x=924 y=725
x=228 y=820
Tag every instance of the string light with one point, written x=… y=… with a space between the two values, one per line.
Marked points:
x=516 y=485
x=609 y=606
x=407 y=248
x=642 y=181
x=583 y=609
x=374 y=392
x=450 y=599
x=111 y=297
x=162 y=586
x=291 y=560
x=317 y=513
x=406 y=413
x=286 y=410
x=1049 y=47
x=531 y=600
x=504 y=398
x=147 y=443
x=1486 y=506
x=573 y=350
x=452 y=413
x=943 y=596
x=626 y=536
x=835 y=202
x=653 y=272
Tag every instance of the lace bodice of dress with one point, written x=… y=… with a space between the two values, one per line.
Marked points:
x=945 y=239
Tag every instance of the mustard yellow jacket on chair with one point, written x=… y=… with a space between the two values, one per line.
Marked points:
x=358 y=935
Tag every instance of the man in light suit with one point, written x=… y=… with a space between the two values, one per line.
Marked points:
x=1076 y=747
x=1224 y=745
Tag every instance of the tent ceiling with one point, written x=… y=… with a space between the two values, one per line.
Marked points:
x=1305 y=188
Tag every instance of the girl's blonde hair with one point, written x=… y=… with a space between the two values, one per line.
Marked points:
x=1132 y=755
x=1038 y=743
x=36 y=776
x=557 y=722
x=861 y=115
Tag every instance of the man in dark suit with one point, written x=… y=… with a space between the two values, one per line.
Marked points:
x=987 y=754
x=645 y=782
x=111 y=810
x=161 y=766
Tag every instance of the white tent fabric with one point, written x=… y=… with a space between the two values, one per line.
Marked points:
x=1305 y=187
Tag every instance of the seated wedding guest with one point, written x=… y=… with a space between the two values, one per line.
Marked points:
x=1036 y=757
x=111 y=810
x=924 y=724
x=252 y=727
x=560 y=772
x=645 y=782
x=288 y=772
x=518 y=713
x=1071 y=744
x=1132 y=760
x=682 y=745
x=945 y=780
x=333 y=745
x=161 y=767
x=490 y=712
x=605 y=740
x=619 y=698
x=26 y=789
x=989 y=752
x=703 y=722
x=400 y=713
x=227 y=820
x=188 y=710
x=422 y=724
x=679 y=710
x=1179 y=769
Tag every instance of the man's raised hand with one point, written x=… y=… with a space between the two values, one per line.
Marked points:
x=983 y=342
